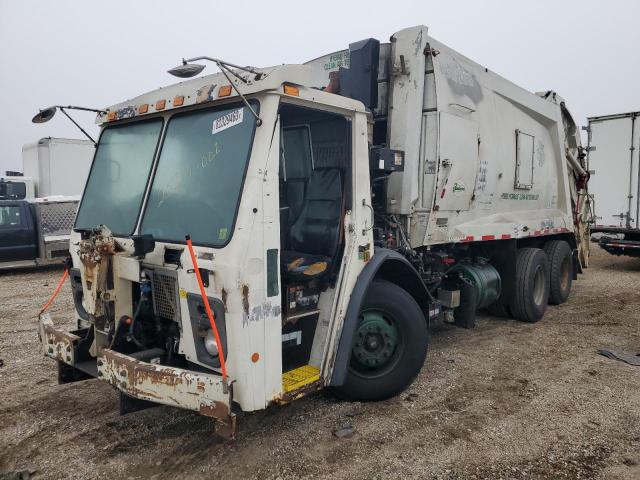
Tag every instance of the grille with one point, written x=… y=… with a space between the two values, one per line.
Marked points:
x=166 y=302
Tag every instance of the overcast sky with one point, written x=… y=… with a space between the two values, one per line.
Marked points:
x=95 y=54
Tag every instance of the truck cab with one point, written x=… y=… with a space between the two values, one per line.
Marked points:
x=16 y=187
x=18 y=238
x=35 y=232
x=275 y=197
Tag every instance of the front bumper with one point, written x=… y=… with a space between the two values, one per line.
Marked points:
x=201 y=392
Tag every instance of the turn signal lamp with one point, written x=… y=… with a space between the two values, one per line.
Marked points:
x=224 y=91
x=291 y=90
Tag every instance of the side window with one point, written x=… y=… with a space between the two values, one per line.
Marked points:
x=524 y=160
x=10 y=216
x=13 y=190
x=296 y=153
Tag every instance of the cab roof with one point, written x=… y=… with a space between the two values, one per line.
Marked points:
x=207 y=88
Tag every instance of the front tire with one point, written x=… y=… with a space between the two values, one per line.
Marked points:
x=389 y=344
x=560 y=270
x=531 y=293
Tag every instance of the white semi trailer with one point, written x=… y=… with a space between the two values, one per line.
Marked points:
x=324 y=216
x=614 y=157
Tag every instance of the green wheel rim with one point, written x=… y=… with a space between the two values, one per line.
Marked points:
x=376 y=344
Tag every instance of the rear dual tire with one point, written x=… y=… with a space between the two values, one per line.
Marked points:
x=543 y=276
x=531 y=292
x=560 y=270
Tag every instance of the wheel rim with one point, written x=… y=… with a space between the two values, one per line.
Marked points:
x=565 y=273
x=538 y=286
x=376 y=345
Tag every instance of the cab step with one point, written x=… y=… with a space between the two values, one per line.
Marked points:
x=299 y=377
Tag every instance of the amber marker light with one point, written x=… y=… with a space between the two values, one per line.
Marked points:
x=291 y=90
x=224 y=91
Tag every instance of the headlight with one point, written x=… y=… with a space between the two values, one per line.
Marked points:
x=210 y=344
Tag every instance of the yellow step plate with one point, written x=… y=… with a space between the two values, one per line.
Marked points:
x=299 y=377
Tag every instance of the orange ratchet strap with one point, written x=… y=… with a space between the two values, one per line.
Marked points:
x=207 y=307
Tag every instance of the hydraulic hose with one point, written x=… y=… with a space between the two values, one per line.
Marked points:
x=207 y=307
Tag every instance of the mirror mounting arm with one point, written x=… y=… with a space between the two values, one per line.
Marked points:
x=77 y=125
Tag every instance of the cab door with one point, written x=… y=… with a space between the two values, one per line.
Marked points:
x=17 y=232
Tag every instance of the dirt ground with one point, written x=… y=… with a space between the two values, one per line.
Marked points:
x=506 y=400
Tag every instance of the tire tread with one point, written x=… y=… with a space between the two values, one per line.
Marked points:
x=555 y=250
x=520 y=302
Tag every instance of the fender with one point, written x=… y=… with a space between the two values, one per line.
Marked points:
x=388 y=265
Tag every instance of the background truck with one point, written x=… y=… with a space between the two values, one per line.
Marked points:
x=248 y=237
x=613 y=155
x=35 y=232
x=50 y=166
x=38 y=207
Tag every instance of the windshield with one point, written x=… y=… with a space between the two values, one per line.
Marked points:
x=118 y=177
x=199 y=177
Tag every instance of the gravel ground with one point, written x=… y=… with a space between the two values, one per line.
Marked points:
x=506 y=400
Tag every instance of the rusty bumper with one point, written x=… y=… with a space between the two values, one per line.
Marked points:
x=204 y=393
x=57 y=344
x=176 y=387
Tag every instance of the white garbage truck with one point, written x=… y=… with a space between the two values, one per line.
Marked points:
x=251 y=236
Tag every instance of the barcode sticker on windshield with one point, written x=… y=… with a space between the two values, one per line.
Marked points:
x=226 y=121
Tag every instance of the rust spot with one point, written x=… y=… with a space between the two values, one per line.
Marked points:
x=245 y=298
x=224 y=299
x=205 y=93
x=297 y=394
x=217 y=410
x=60 y=344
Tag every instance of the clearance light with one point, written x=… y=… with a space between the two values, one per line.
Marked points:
x=111 y=116
x=178 y=101
x=224 y=91
x=160 y=104
x=291 y=90
x=143 y=108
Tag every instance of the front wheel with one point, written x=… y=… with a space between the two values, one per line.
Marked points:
x=389 y=344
